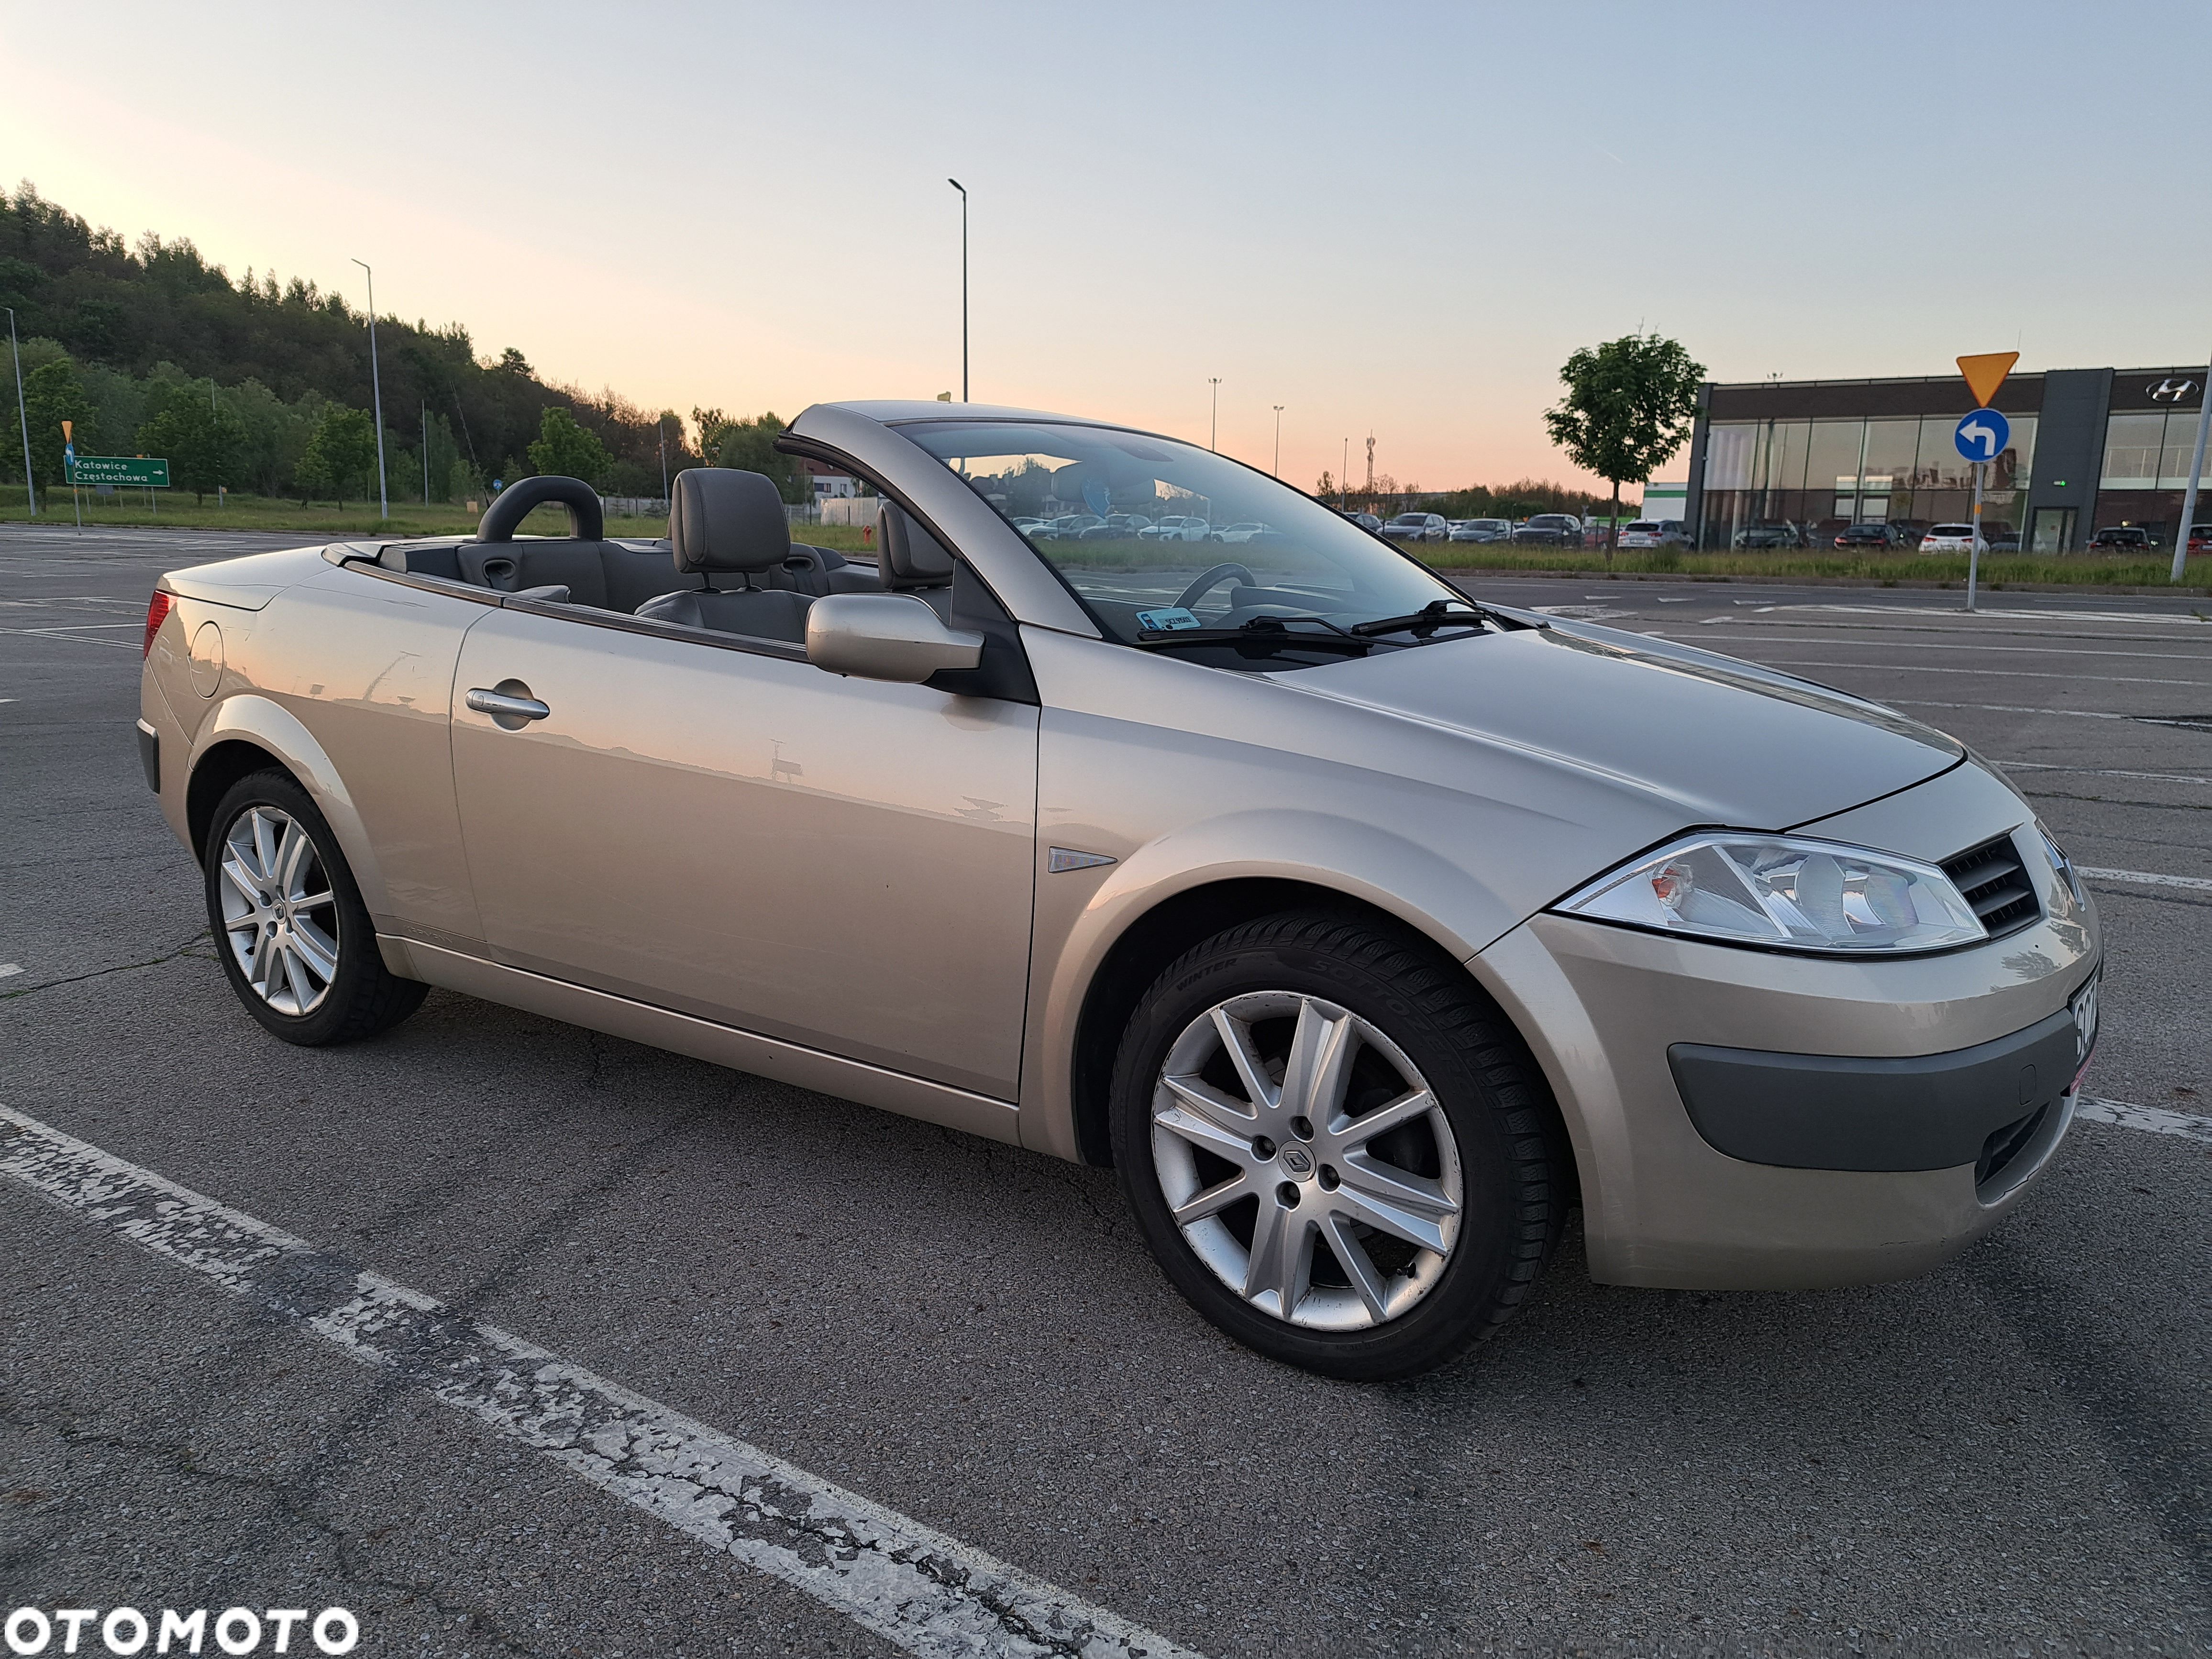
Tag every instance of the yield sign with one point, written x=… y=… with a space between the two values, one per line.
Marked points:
x=1986 y=373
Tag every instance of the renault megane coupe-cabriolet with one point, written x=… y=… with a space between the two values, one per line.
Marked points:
x=1363 y=928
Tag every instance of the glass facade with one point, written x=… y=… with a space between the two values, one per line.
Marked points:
x=1813 y=477
x=2149 y=451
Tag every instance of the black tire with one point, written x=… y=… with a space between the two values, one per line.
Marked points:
x=1515 y=1168
x=363 y=997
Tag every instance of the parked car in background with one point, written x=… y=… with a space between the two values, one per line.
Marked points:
x=2119 y=536
x=1768 y=535
x=1908 y=532
x=1651 y=532
x=2200 y=538
x=1416 y=527
x=1176 y=527
x=2002 y=541
x=1364 y=520
x=1482 y=530
x=1117 y=527
x=1550 y=530
x=1950 y=538
x=1069 y=526
x=1241 y=532
x=1865 y=535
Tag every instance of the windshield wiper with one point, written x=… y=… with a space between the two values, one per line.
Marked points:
x=1434 y=614
x=1267 y=631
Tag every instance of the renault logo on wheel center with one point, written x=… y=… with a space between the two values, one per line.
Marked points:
x=1298 y=1160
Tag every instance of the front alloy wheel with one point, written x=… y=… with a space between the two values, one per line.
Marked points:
x=1305 y=1160
x=1338 y=1149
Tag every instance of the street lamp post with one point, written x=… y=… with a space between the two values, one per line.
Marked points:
x=1342 y=487
x=1213 y=432
x=376 y=390
x=1278 y=440
x=962 y=189
x=2196 y=477
x=22 y=415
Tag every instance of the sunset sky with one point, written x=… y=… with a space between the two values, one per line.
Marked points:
x=1395 y=219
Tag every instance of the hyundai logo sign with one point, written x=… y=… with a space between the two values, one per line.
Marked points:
x=2171 y=390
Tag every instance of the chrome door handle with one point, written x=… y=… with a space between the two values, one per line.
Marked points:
x=498 y=705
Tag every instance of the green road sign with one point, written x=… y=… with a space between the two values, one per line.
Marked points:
x=143 y=471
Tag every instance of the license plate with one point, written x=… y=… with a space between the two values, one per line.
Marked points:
x=2083 y=1007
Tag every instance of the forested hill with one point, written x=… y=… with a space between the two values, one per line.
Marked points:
x=129 y=318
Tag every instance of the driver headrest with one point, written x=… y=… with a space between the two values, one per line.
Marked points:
x=912 y=557
x=720 y=519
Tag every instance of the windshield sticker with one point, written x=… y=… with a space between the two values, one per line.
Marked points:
x=1097 y=497
x=1167 y=621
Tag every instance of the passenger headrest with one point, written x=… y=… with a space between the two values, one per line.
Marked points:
x=722 y=520
x=912 y=557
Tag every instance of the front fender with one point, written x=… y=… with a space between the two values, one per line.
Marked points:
x=1076 y=931
x=249 y=717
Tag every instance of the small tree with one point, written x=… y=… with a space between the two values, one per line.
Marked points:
x=198 y=438
x=52 y=394
x=564 y=449
x=750 y=446
x=1629 y=406
x=341 y=453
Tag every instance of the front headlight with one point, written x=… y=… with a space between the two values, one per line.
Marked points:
x=1786 y=894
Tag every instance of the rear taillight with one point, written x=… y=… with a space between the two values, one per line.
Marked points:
x=157 y=613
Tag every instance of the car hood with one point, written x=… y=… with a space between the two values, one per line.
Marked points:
x=1706 y=738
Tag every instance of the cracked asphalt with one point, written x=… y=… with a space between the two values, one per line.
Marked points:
x=2010 y=1455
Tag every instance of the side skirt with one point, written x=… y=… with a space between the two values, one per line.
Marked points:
x=701 y=1039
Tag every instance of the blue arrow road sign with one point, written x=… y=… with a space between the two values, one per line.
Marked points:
x=1982 y=435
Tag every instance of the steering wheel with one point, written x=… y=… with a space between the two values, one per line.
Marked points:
x=1210 y=579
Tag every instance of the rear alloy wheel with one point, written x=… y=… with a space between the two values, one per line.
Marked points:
x=296 y=941
x=1337 y=1148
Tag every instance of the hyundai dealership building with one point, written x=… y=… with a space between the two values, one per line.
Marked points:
x=2091 y=448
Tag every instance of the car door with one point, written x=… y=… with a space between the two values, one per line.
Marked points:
x=728 y=832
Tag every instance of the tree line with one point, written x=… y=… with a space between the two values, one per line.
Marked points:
x=254 y=384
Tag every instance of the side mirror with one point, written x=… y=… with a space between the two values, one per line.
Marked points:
x=886 y=636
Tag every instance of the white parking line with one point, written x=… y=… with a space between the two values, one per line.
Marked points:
x=929 y=1594
x=1930 y=645
x=71 y=634
x=2101 y=772
x=2011 y=709
x=2154 y=1119
x=9 y=969
x=1995 y=673
x=2146 y=878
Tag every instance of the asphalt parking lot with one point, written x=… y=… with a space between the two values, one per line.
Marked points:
x=2011 y=1456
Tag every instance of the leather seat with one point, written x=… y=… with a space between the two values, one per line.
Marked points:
x=913 y=561
x=723 y=520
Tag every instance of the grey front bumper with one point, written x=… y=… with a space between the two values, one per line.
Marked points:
x=1837 y=1112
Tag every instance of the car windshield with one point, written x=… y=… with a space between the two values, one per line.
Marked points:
x=1275 y=554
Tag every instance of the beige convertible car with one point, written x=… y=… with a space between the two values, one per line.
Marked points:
x=1365 y=929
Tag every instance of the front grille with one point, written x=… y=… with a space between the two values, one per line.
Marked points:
x=1996 y=884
